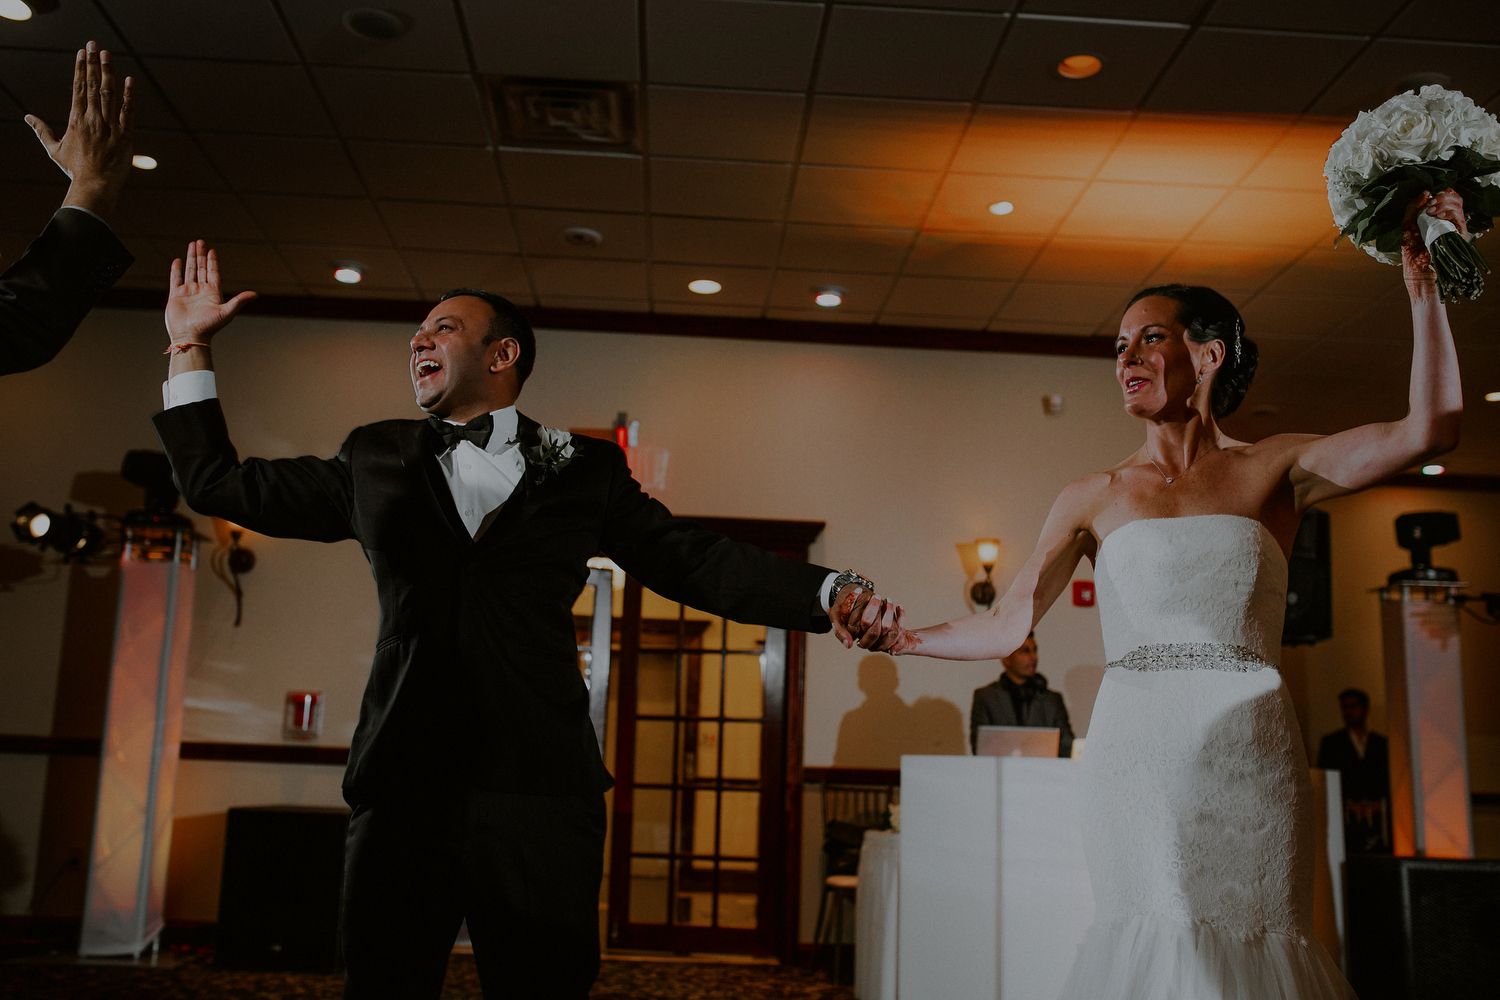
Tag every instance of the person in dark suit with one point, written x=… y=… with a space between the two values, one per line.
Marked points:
x=46 y=293
x=474 y=773
x=1363 y=760
x=1021 y=698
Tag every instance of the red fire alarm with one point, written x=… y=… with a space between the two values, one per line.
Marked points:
x=1083 y=593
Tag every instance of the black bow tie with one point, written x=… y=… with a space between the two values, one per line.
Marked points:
x=477 y=430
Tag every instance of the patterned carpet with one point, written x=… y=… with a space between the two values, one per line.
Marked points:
x=190 y=976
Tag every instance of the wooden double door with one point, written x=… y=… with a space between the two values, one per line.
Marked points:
x=705 y=741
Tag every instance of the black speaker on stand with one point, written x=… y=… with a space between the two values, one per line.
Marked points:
x=1309 y=584
x=279 y=897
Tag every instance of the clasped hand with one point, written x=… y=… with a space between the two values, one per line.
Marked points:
x=869 y=621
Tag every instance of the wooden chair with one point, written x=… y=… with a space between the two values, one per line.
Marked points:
x=848 y=811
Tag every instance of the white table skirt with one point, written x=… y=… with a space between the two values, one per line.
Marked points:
x=875 y=916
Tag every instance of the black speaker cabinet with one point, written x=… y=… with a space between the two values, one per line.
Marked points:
x=1423 y=928
x=1309 y=584
x=279 y=898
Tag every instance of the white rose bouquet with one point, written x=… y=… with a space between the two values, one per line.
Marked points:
x=1423 y=141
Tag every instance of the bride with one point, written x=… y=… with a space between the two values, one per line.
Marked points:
x=1196 y=817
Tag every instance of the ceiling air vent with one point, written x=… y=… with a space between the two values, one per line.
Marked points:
x=565 y=114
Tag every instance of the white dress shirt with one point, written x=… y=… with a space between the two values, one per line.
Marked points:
x=480 y=479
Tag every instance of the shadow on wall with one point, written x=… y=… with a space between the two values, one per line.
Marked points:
x=884 y=726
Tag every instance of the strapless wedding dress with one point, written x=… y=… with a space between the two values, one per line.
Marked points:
x=1196 y=813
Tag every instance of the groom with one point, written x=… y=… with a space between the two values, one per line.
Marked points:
x=474 y=774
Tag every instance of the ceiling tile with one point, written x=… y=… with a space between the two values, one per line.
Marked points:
x=863 y=293
x=1298 y=317
x=946 y=322
x=25 y=208
x=1296 y=162
x=610 y=183
x=1384 y=68
x=245 y=264
x=1357 y=17
x=727 y=124
x=716 y=188
x=862 y=197
x=1232 y=70
x=438 y=272
x=299 y=219
x=845 y=248
x=742 y=286
x=1109 y=262
x=990 y=6
x=817 y=315
x=9 y=110
x=594 y=304
x=23 y=158
x=284 y=104
x=543 y=39
x=1140 y=10
x=907 y=53
x=1165 y=149
x=554 y=276
x=225 y=29
x=947 y=297
x=314 y=265
x=363 y=291
x=1005 y=325
x=1224 y=266
x=1035 y=143
x=965 y=199
x=432 y=39
x=702 y=309
x=396 y=104
x=541 y=232
x=1067 y=304
x=1116 y=210
x=428 y=226
x=1270 y=218
x=42 y=82
x=715 y=241
x=447 y=173
x=1134 y=55
x=65 y=29
x=1345 y=271
x=970 y=255
x=284 y=164
x=152 y=267
x=180 y=162
x=732 y=43
x=185 y=215
x=1456 y=20
x=870 y=132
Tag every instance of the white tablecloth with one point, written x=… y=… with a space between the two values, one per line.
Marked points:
x=875 y=916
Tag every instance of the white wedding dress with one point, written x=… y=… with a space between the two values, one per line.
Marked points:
x=1196 y=818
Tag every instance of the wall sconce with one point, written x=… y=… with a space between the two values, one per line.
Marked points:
x=230 y=563
x=983 y=591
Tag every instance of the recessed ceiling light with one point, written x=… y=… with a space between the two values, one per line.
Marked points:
x=1492 y=397
x=375 y=25
x=582 y=236
x=1079 y=67
x=704 y=286
x=15 y=10
x=828 y=296
x=143 y=162
x=1002 y=208
x=348 y=272
x=1433 y=470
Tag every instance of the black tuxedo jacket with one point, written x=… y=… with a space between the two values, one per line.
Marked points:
x=46 y=294
x=475 y=680
x=1364 y=779
x=995 y=705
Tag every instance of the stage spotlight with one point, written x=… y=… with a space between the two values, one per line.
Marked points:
x=76 y=536
x=32 y=523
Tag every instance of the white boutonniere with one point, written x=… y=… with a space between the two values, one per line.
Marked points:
x=552 y=452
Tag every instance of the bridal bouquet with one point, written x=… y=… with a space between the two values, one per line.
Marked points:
x=1428 y=140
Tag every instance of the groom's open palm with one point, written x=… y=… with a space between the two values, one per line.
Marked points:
x=195 y=304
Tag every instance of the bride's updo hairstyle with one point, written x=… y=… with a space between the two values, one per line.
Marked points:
x=1209 y=316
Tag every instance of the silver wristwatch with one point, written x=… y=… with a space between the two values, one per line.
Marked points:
x=843 y=580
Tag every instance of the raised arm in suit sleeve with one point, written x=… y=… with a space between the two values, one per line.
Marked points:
x=311 y=498
x=47 y=292
x=683 y=561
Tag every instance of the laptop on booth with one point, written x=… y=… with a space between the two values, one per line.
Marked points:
x=1016 y=741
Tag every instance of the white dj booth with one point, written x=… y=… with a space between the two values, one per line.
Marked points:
x=992 y=893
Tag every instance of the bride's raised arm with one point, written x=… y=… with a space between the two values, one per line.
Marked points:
x=1326 y=467
x=1066 y=538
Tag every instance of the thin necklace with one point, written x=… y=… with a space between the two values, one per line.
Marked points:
x=1171 y=479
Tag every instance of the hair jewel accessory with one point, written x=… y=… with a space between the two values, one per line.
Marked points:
x=1238 y=339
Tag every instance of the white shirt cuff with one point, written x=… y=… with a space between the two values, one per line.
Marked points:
x=823 y=589
x=80 y=208
x=188 y=387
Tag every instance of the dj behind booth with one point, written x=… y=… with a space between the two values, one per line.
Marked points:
x=1020 y=698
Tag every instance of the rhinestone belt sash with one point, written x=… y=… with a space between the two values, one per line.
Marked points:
x=1192 y=656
